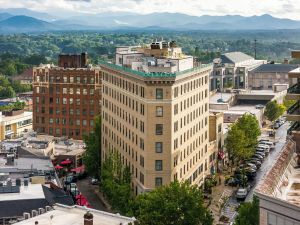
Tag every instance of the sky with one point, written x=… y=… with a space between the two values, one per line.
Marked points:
x=278 y=8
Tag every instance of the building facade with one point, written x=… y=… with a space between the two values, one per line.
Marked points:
x=66 y=99
x=266 y=76
x=293 y=113
x=157 y=122
x=231 y=71
x=14 y=123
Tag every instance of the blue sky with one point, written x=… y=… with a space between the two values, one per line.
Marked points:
x=278 y=8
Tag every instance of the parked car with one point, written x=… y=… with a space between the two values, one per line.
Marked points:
x=269 y=143
x=232 y=181
x=252 y=165
x=259 y=106
x=73 y=189
x=261 y=152
x=256 y=156
x=241 y=193
x=265 y=150
x=256 y=162
x=94 y=181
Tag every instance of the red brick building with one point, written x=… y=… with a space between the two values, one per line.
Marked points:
x=66 y=99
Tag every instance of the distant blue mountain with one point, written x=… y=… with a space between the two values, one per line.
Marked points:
x=19 y=24
x=154 y=21
x=28 y=12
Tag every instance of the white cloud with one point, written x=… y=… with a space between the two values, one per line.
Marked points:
x=277 y=8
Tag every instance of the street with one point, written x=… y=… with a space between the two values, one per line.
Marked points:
x=280 y=139
x=88 y=191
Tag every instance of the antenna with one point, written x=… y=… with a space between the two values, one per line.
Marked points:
x=255 y=48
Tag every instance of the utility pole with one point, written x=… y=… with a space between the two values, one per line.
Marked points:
x=255 y=48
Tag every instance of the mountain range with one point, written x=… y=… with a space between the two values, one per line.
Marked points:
x=25 y=20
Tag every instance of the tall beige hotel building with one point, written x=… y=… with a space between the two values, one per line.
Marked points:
x=155 y=114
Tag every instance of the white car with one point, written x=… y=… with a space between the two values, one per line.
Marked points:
x=241 y=193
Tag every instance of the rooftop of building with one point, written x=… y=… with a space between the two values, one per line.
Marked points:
x=275 y=68
x=74 y=215
x=25 y=114
x=295 y=71
x=235 y=57
x=282 y=181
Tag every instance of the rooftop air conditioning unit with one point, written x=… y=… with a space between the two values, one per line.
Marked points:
x=26 y=216
x=48 y=208
x=34 y=213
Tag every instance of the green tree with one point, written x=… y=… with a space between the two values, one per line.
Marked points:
x=273 y=110
x=248 y=213
x=115 y=183
x=248 y=123
x=176 y=204
x=235 y=144
x=92 y=156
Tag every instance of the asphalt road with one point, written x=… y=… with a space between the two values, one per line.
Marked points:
x=280 y=139
x=88 y=191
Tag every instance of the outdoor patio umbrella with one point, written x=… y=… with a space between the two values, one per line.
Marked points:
x=58 y=167
x=66 y=162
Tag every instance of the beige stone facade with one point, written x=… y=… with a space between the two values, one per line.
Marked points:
x=157 y=123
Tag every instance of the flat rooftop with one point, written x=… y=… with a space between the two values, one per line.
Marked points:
x=62 y=215
x=225 y=96
x=32 y=191
x=21 y=116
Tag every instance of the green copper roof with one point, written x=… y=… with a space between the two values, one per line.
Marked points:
x=152 y=75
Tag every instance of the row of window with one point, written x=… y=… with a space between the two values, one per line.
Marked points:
x=66 y=79
x=185 y=104
x=190 y=86
x=124 y=84
x=65 y=112
x=64 y=121
x=62 y=132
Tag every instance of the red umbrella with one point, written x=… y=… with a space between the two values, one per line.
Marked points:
x=66 y=162
x=78 y=169
x=58 y=167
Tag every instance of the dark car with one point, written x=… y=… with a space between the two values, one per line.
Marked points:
x=232 y=181
x=256 y=162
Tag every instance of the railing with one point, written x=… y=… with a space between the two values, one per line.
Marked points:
x=295 y=126
x=295 y=89
x=293 y=108
x=158 y=74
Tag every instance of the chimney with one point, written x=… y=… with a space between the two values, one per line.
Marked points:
x=286 y=61
x=84 y=59
x=88 y=218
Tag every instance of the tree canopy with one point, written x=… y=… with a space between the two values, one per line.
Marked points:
x=175 y=204
x=273 y=110
x=242 y=137
x=248 y=213
x=92 y=155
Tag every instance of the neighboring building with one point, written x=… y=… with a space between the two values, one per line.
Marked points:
x=231 y=71
x=267 y=75
x=28 y=185
x=293 y=113
x=14 y=123
x=26 y=77
x=66 y=99
x=279 y=190
x=155 y=115
x=67 y=215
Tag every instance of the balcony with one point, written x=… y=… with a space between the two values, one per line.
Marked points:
x=293 y=92
x=294 y=127
x=293 y=113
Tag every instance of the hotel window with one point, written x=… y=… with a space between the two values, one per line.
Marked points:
x=85 y=80
x=50 y=110
x=65 y=79
x=142 y=161
x=142 y=127
x=64 y=121
x=37 y=99
x=142 y=144
x=158 y=147
x=78 y=112
x=92 y=80
x=91 y=123
x=159 y=93
x=65 y=91
x=78 y=80
x=71 y=91
x=84 y=122
x=176 y=109
x=141 y=178
x=84 y=92
x=159 y=129
x=159 y=111
x=57 y=120
x=71 y=111
x=71 y=101
x=78 y=91
x=78 y=122
x=71 y=79
x=57 y=131
x=158 y=181
x=78 y=101
x=57 y=111
x=92 y=91
x=57 y=100
x=64 y=101
x=176 y=92
x=51 y=120
x=158 y=165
